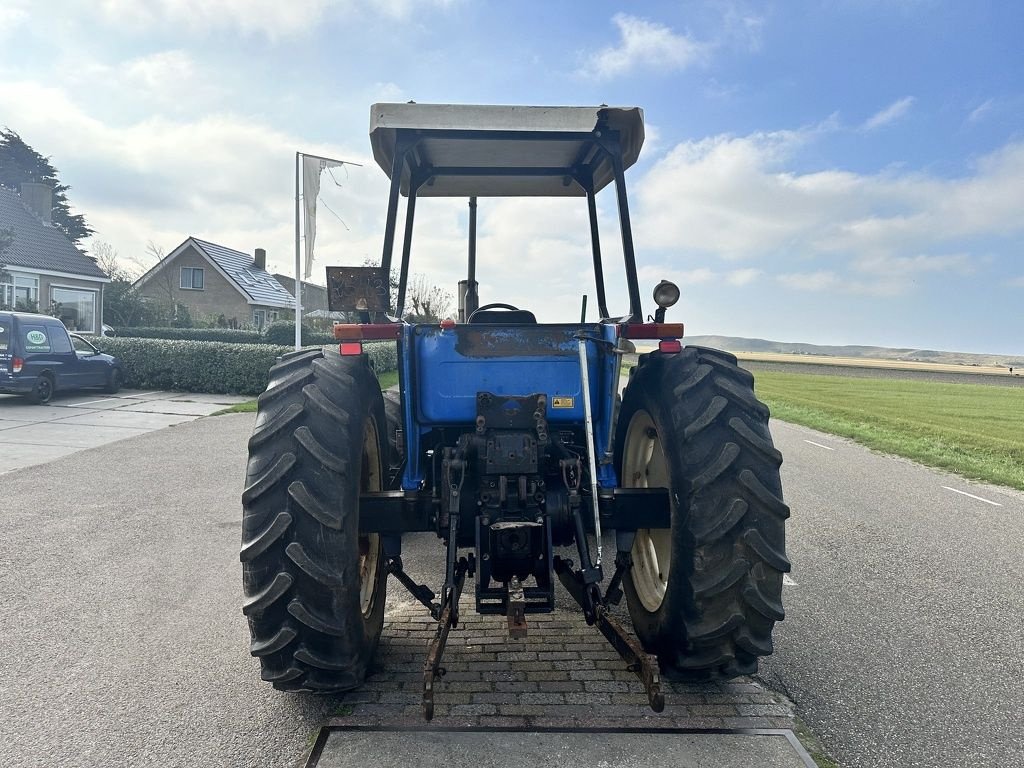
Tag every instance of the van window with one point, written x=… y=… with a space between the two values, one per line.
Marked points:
x=36 y=338
x=60 y=340
x=5 y=334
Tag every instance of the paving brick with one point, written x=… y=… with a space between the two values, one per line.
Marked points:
x=763 y=710
x=562 y=675
x=747 y=722
x=516 y=687
x=473 y=709
x=494 y=697
x=590 y=674
x=548 y=674
x=560 y=685
x=542 y=698
x=607 y=686
x=503 y=721
x=587 y=699
x=714 y=710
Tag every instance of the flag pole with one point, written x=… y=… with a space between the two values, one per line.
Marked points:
x=298 y=262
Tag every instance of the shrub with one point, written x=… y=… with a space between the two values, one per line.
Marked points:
x=283 y=332
x=193 y=366
x=230 y=335
x=383 y=355
x=211 y=366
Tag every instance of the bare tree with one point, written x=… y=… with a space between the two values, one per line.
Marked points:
x=426 y=303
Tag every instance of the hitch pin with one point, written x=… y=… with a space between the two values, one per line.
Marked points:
x=591 y=448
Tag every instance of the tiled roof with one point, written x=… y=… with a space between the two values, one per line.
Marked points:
x=38 y=246
x=258 y=284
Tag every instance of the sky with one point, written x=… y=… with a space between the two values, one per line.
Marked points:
x=831 y=172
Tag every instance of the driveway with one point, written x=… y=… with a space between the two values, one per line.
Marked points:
x=35 y=434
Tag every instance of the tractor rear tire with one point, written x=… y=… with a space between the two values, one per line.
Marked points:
x=314 y=588
x=704 y=595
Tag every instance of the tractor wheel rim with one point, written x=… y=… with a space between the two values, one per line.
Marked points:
x=369 y=545
x=644 y=466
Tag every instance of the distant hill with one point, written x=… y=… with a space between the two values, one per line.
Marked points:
x=736 y=344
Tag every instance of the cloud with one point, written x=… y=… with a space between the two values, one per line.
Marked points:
x=810 y=281
x=270 y=18
x=981 y=111
x=895 y=111
x=734 y=199
x=1017 y=282
x=644 y=44
x=743 y=276
x=11 y=16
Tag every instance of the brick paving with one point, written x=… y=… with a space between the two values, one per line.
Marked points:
x=564 y=675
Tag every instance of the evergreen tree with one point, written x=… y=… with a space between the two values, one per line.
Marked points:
x=20 y=163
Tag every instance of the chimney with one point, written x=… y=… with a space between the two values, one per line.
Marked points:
x=38 y=198
x=260 y=261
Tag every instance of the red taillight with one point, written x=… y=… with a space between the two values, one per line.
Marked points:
x=17 y=364
x=351 y=348
x=670 y=345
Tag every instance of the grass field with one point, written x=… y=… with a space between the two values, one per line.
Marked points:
x=388 y=379
x=974 y=430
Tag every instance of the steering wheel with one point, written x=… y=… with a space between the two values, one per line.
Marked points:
x=495 y=305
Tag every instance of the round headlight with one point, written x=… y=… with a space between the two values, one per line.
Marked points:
x=666 y=294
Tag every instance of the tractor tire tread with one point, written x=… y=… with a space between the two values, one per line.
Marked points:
x=720 y=608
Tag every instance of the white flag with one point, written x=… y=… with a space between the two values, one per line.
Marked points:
x=312 y=167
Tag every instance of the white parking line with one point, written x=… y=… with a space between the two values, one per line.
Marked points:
x=93 y=402
x=819 y=445
x=786 y=580
x=965 y=493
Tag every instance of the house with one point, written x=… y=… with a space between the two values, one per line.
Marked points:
x=211 y=280
x=314 y=298
x=41 y=269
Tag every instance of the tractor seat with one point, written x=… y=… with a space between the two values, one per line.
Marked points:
x=504 y=317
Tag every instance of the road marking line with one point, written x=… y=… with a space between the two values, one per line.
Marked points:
x=965 y=493
x=788 y=581
x=819 y=445
x=92 y=402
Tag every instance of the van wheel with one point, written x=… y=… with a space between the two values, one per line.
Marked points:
x=42 y=392
x=114 y=381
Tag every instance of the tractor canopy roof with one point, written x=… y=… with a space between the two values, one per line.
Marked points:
x=458 y=150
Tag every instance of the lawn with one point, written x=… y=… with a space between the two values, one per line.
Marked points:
x=388 y=379
x=974 y=430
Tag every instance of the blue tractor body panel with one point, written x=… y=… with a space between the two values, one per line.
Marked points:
x=445 y=368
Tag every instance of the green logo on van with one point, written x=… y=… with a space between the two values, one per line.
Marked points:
x=35 y=338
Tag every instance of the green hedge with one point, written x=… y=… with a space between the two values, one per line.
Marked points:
x=230 y=335
x=210 y=366
x=281 y=332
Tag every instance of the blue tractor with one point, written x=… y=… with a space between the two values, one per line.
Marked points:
x=508 y=439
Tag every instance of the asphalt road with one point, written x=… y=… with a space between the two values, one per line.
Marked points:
x=123 y=643
x=123 y=640
x=903 y=642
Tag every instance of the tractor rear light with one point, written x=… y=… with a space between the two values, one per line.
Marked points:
x=670 y=345
x=366 y=332
x=17 y=364
x=351 y=348
x=653 y=331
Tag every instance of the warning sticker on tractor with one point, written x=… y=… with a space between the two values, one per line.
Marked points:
x=562 y=402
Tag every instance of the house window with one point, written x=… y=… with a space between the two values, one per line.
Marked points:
x=19 y=291
x=192 y=278
x=75 y=308
x=259 y=318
